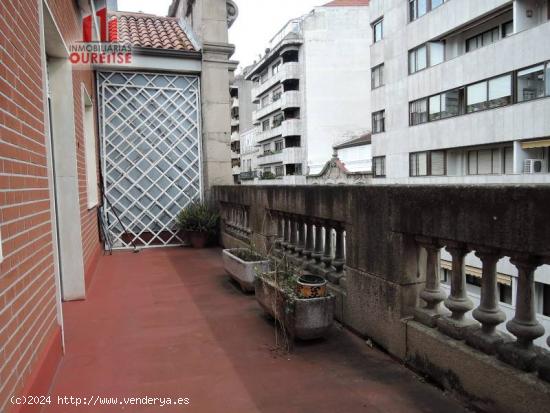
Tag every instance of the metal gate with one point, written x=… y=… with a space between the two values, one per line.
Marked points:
x=150 y=154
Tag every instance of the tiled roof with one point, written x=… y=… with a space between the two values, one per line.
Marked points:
x=147 y=30
x=343 y=3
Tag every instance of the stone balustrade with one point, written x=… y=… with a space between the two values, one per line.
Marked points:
x=380 y=249
x=235 y=220
x=317 y=245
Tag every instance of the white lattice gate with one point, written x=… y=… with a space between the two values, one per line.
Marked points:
x=150 y=152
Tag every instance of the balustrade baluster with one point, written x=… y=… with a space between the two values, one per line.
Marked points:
x=310 y=245
x=327 y=255
x=524 y=326
x=488 y=313
x=318 y=252
x=301 y=238
x=288 y=230
x=293 y=234
x=458 y=302
x=432 y=293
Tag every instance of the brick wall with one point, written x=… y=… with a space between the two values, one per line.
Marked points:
x=27 y=281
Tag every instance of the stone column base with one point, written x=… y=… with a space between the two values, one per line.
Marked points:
x=521 y=358
x=429 y=317
x=454 y=328
x=486 y=343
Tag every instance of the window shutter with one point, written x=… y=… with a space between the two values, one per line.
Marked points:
x=484 y=163
x=438 y=163
x=509 y=160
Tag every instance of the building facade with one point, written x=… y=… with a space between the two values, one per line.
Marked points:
x=460 y=91
x=461 y=94
x=312 y=91
x=241 y=118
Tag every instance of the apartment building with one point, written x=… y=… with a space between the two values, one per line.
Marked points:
x=312 y=91
x=459 y=91
x=461 y=94
x=241 y=118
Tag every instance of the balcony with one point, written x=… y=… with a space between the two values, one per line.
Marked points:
x=267 y=110
x=235 y=136
x=291 y=71
x=268 y=84
x=288 y=71
x=235 y=155
x=236 y=170
x=247 y=175
x=291 y=127
x=384 y=269
x=274 y=157
x=269 y=134
x=293 y=155
x=291 y=99
x=234 y=121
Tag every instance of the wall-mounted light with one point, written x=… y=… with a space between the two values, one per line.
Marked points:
x=529 y=13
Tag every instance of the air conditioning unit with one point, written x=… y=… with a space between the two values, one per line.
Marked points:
x=532 y=166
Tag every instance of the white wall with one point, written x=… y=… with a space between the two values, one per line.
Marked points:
x=507 y=124
x=337 y=79
x=357 y=158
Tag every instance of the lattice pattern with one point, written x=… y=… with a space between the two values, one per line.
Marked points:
x=150 y=154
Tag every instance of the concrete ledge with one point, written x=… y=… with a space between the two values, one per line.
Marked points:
x=482 y=381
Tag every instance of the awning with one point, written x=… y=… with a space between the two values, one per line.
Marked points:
x=476 y=272
x=543 y=143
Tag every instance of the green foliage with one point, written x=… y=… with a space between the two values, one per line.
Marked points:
x=199 y=217
x=268 y=175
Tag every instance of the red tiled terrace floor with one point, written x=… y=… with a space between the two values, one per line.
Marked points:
x=169 y=323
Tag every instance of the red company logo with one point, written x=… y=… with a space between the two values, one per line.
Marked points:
x=105 y=51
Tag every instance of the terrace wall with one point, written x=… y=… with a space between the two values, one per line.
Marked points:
x=393 y=235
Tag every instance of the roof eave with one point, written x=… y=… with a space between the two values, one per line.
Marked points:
x=152 y=51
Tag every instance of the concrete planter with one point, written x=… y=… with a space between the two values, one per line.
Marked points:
x=244 y=272
x=305 y=319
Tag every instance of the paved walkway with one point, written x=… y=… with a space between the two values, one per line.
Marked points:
x=169 y=323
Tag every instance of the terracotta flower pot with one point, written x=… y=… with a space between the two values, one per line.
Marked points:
x=198 y=239
x=311 y=286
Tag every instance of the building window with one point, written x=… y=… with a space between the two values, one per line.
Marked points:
x=275 y=68
x=279 y=170
x=265 y=101
x=485 y=161
x=263 y=77
x=266 y=148
x=379 y=166
x=446 y=105
x=277 y=94
x=90 y=151
x=482 y=39
x=279 y=146
x=489 y=94
x=547 y=73
x=418 y=59
x=377 y=76
x=432 y=163
x=378 y=30
x=530 y=83
x=426 y=55
x=277 y=120
x=379 y=122
x=265 y=125
x=507 y=29
x=418 y=8
x=418 y=112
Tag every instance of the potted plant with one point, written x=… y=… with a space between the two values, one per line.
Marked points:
x=242 y=264
x=200 y=221
x=298 y=301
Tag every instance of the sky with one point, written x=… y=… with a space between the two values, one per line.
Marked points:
x=258 y=21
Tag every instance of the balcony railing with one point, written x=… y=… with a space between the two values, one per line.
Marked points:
x=248 y=175
x=379 y=248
